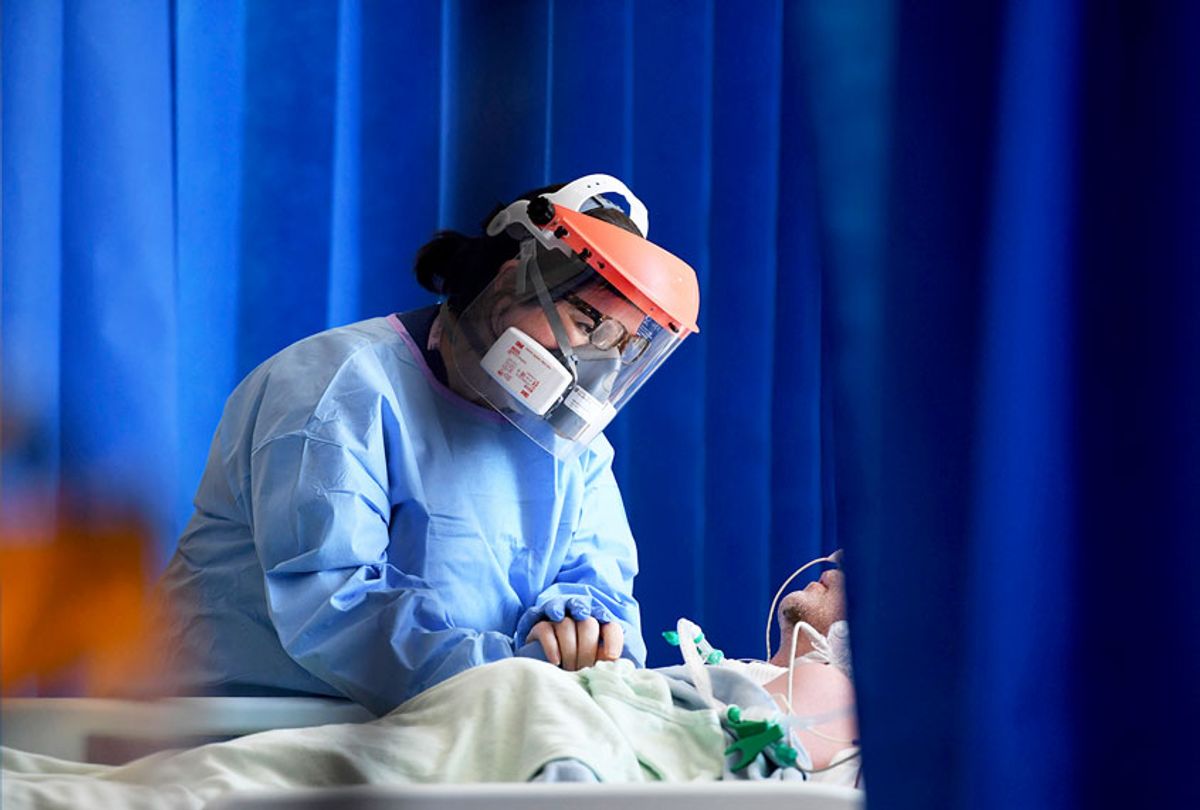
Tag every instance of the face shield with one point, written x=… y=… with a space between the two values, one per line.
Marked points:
x=570 y=330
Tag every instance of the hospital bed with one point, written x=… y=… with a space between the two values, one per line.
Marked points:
x=113 y=732
x=116 y=731
x=652 y=796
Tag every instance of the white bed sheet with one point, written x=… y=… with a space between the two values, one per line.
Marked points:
x=61 y=725
x=75 y=728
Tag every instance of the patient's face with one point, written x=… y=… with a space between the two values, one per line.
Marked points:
x=820 y=604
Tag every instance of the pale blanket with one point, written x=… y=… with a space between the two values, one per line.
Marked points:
x=498 y=723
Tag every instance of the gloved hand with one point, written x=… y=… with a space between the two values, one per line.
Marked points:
x=578 y=643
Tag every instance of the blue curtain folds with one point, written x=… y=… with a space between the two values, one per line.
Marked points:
x=90 y=326
x=192 y=186
x=949 y=269
x=1024 y=594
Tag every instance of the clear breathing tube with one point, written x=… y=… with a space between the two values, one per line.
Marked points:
x=808 y=724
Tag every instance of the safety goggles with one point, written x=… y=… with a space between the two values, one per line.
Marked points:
x=608 y=333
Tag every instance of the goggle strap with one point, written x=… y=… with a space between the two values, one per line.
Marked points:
x=552 y=314
x=528 y=248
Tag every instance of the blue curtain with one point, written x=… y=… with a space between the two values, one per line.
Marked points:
x=1025 y=558
x=949 y=267
x=190 y=187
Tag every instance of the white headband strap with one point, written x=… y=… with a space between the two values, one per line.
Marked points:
x=573 y=195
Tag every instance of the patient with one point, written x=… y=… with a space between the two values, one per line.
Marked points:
x=821 y=682
x=814 y=621
x=514 y=720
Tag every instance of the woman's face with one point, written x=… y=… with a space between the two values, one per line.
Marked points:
x=530 y=318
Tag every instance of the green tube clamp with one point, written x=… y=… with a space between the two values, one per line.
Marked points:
x=753 y=737
x=710 y=654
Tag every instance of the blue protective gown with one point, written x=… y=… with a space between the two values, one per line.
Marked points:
x=362 y=531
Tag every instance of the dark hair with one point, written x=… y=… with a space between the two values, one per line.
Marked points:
x=460 y=267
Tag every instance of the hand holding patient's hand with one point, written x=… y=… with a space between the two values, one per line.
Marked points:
x=578 y=643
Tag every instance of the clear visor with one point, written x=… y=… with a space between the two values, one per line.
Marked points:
x=555 y=348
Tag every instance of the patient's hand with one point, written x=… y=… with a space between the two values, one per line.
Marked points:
x=578 y=643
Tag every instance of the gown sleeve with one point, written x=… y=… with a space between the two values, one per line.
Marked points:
x=343 y=611
x=596 y=577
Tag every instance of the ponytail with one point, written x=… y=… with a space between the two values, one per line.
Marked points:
x=459 y=266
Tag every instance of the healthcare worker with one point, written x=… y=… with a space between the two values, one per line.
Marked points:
x=374 y=516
